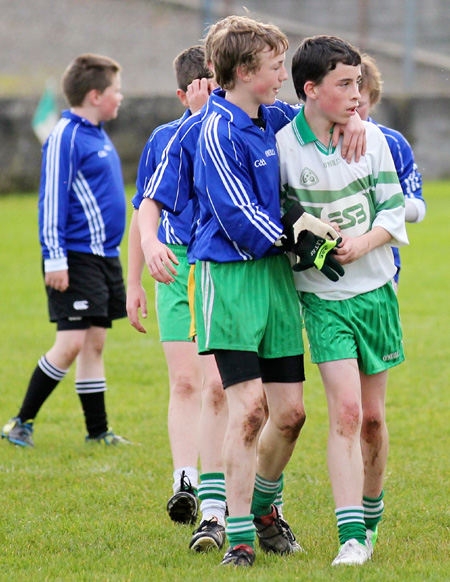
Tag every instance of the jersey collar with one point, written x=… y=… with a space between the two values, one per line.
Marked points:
x=69 y=115
x=185 y=115
x=234 y=113
x=304 y=134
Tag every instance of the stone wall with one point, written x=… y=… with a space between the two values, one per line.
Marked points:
x=39 y=38
x=20 y=151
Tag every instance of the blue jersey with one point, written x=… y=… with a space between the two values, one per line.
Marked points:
x=409 y=177
x=81 y=197
x=237 y=183
x=172 y=229
x=172 y=183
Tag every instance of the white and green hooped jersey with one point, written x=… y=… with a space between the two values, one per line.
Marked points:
x=356 y=196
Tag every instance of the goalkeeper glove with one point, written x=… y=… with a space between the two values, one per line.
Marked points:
x=298 y=220
x=315 y=251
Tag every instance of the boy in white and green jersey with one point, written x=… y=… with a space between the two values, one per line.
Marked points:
x=353 y=324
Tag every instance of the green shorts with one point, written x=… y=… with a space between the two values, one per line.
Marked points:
x=249 y=306
x=172 y=305
x=366 y=327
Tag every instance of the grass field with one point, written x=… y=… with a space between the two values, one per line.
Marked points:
x=73 y=512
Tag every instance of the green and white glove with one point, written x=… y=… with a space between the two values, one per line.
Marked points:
x=315 y=251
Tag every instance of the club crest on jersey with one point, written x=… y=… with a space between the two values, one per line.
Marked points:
x=81 y=305
x=308 y=178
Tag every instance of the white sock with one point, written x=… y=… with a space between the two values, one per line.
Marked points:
x=213 y=508
x=190 y=472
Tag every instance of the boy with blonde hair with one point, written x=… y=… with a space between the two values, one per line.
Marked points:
x=246 y=308
x=409 y=177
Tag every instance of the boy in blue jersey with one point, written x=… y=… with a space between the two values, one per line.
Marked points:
x=193 y=380
x=81 y=224
x=409 y=177
x=353 y=324
x=244 y=286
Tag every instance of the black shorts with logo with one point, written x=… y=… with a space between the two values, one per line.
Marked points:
x=96 y=293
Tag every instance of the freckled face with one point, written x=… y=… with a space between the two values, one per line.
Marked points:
x=268 y=79
x=338 y=94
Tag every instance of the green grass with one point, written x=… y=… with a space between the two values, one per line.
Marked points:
x=72 y=512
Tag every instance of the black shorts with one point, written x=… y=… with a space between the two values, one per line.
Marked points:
x=95 y=296
x=237 y=366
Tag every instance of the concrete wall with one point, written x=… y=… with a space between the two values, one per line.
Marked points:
x=20 y=151
x=39 y=38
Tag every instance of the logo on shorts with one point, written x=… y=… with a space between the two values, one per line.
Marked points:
x=392 y=356
x=81 y=305
x=102 y=154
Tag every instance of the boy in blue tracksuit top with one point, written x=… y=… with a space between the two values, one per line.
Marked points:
x=81 y=224
x=174 y=228
x=244 y=285
x=193 y=380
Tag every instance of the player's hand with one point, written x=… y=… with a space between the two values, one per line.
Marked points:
x=58 y=280
x=314 y=251
x=197 y=94
x=297 y=220
x=160 y=260
x=354 y=138
x=136 y=299
x=352 y=248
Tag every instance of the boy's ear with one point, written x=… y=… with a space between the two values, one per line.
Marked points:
x=182 y=97
x=243 y=73
x=310 y=90
x=93 y=96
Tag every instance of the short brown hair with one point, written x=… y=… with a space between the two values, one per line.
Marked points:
x=210 y=35
x=371 y=78
x=190 y=65
x=238 y=41
x=88 y=71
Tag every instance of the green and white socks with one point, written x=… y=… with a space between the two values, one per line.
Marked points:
x=264 y=495
x=354 y=521
x=241 y=530
x=373 y=510
x=351 y=525
x=211 y=493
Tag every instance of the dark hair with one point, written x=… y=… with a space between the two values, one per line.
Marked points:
x=87 y=72
x=318 y=55
x=190 y=65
